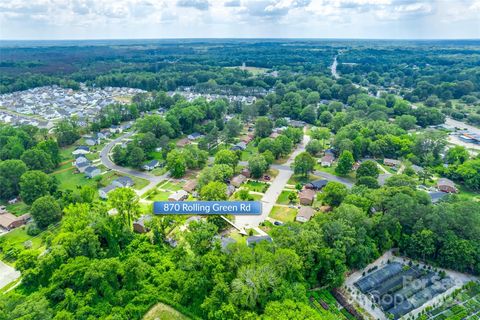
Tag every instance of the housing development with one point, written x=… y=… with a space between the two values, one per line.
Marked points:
x=239 y=178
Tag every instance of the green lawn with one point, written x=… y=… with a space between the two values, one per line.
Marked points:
x=283 y=214
x=16 y=240
x=159 y=195
x=467 y=194
x=18 y=208
x=71 y=180
x=249 y=152
x=172 y=186
x=163 y=311
x=283 y=197
x=294 y=179
x=256 y=186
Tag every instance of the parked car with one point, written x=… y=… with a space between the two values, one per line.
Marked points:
x=265 y=177
x=278 y=223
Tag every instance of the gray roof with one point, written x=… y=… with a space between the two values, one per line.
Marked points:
x=91 y=169
x=83 y=164
x=141 y=221
x=124 y=180
x=256 y=239
x=109 y=188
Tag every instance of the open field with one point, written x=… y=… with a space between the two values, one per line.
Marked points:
x=162 y=311
x=284 y=214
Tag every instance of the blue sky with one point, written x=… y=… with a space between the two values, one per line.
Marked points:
x=120 y=19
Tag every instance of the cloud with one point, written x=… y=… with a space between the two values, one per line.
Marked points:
x=197 y=4
x=232 y=4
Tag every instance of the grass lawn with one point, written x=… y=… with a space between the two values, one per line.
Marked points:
x=171 y=185
x=256 y=186
x=158 y=171
x=467 y=194
x=283 y=214
x=18 y=208
x=249 y=152
x=255 y=197
x=70 y=180
x=294 y=179
x=283 y=197
x=237 y=236
x=16 y=240
x=159 y=196
x=162 y=311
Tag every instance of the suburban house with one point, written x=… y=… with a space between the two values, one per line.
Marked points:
x=103 y=192
x=327 y=160
x=80 y=159
x=9 y=221
x=183 y=142
x=179 y=195
x=81 y=150
x=123 y=182
x=238 y=180
x=316 y=185
x=446 y=185
x=305 y=214
x=256 y=239
x=246 y=172
x=82 y=166
x=194 y=136
x=92 y=171
x=306 y=197
x=437 y=196
x=91 y=141
x=139 y=224
x=391 y=162
x=225 y=242
x=190 y=186
x=242 y=145
x=150 y=165
x=116 y=129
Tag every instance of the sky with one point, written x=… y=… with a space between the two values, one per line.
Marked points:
x=141 y=19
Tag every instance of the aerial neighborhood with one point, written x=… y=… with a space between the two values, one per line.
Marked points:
x=363 y=181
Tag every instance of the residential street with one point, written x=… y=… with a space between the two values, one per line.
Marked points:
x=7 y=274
x=107 y=162
x=278 y=184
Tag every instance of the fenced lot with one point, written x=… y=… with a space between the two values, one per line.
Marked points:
x=462 y=304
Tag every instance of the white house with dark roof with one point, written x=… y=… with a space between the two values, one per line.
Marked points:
x=123 y=182
x=103 y=192
x=92 y=171
x=150 y=165
x=81 y=150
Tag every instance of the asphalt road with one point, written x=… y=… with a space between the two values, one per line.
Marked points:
x=107 y=162
x=7 y=274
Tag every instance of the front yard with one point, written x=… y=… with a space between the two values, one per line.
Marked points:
x=284 y=214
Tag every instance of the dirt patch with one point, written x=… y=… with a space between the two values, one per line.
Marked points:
x=162 y=311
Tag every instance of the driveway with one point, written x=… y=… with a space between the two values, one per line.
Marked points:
x=276 y=187
x=107 y=162
x=330 y=177
x=7 y=274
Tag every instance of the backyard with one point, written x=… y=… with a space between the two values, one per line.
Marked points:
x=284 y=214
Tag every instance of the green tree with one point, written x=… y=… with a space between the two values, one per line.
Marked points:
x=36 y=159
x=125 y=200
x=368 y=168
x=227 y=157
x=33 y=185
x=176 y=163
x=303 y=164
x=10 y=173
x=368 y=181
x=45 y=211
x=257 y=166
x=314 y=147
x=135 y=157
x=263 y=127
x=232 y=129
x=214 y=191
x=345 y=163
x=309 y=114
x=320 y=134
x=457 y=155
x=334 y=193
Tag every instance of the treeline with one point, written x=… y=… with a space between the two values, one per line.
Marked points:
x=97 y=267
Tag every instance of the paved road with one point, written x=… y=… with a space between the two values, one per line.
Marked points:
x=7 y=274
x=276 y=187
x=107 y=162
x=333 y=68
x=331 y=177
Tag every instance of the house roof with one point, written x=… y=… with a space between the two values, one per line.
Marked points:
x=177 y=195
x=256 y=239
x=91 y=169
x=83 y=164
x=445 y=182
x=437 y=196
x=109 y=188
x=238 y=179
x=82 y=148
x=141 y=221
x=307 y=194
x=318 y=183
x=392 y=161
x=6 y=219
x=190 y=185
x=124 y=180
x=151 y=163
x=306 y=212
x=328 y=157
